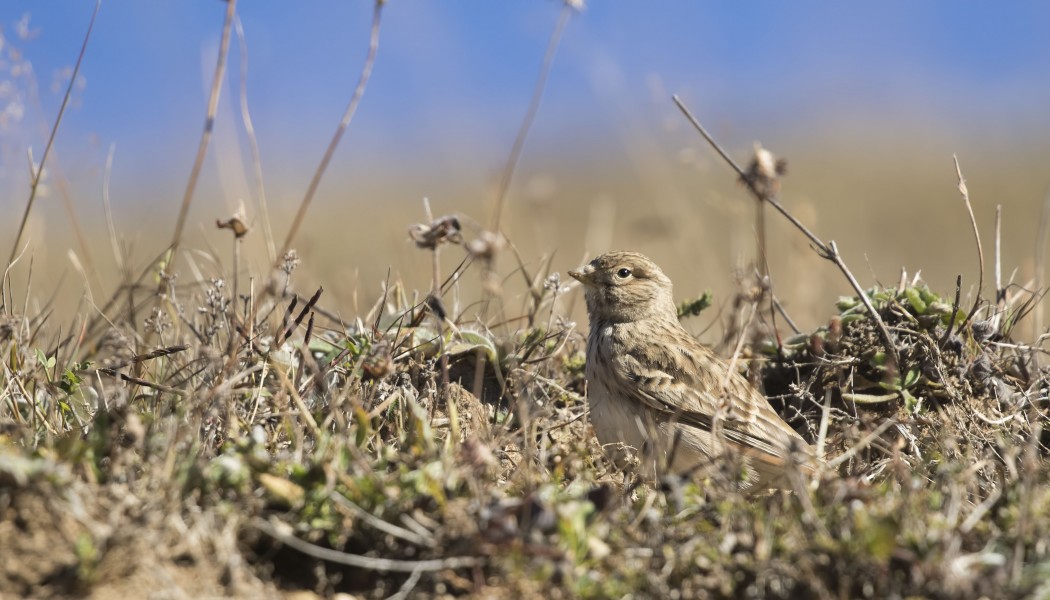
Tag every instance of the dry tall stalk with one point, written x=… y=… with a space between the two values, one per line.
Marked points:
x=348 y=115
x=209 y=126
x=38 y=171
x=253 y=143
x=828 y=251
x=568 y=8
x=965 y=193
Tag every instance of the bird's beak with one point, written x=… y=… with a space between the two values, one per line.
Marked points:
x=583 y=274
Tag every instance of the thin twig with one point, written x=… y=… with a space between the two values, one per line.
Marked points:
x=827 y=251
x=435 y=294
x=825 y=419
x=739 y=347
x=253 y=143
x=209 y=125
x=1040 y=259
x=489 y=273
x=760 y=230
x=885 y=333
x=359 y=91
x=118 y=256
x=143 y=382
x=38 y=171
x=864 y=443
x=1000 y=293
x=955 y=311
x=380 y=524
x=530 y=114
x=304 y=412
x=406 y=588
x=363 y=562
x=159 y=352
x=743 y=176
x=981 y=510
x=783 y=312
x=78 y=232
x=977 y=235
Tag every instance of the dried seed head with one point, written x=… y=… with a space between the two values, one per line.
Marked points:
x=290 y=261
x=764 y=172
x=280 y=282
x=553 y=283
x=235 y=225
x=430 y=236
x=486 y=245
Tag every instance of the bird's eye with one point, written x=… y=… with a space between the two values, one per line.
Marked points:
x=623 y=273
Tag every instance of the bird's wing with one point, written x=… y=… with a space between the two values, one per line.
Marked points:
x=686 y=382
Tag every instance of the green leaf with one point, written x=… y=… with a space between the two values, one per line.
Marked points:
x=928 y=296
x=857 y=316
x=323 y=346
x=70 y=382
x=471 y=341
x=914 y=297
x=48 y=362
x=911 y=403
x=911 y=378
x=846 y=303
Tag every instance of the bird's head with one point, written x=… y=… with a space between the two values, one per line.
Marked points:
x=625 y=286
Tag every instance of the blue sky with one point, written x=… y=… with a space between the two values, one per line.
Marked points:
x=464 y=70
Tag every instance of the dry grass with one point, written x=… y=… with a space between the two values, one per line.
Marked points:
x=194 y=448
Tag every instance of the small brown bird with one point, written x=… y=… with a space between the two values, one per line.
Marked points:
x=649 y=381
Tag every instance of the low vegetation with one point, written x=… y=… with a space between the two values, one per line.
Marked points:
x=251 y=446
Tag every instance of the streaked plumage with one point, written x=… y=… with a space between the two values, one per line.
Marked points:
x=648 y=380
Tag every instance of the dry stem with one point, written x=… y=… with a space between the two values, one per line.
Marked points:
x=828 y=251
x=530 y=114
x=209 y=125
x=38 y=171
x=965 y=193
x=253 y=143
x=359 y=91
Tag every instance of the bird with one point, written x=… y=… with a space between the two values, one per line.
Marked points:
x=652 y=387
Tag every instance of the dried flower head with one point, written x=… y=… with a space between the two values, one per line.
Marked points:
x=764 y=172
x=234 y=224
x=430 y=236
x=486 y=245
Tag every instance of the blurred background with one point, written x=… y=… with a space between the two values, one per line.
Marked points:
x=868 y=103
